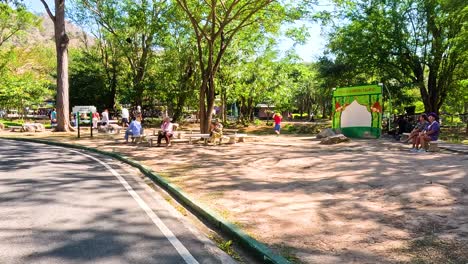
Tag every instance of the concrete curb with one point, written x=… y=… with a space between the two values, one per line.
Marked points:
x=256 y=248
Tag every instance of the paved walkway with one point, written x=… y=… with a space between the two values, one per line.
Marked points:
x=461 y=148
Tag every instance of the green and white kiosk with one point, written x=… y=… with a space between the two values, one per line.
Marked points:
x=357 y=111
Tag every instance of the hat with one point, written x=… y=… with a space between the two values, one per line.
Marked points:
x=433 y=115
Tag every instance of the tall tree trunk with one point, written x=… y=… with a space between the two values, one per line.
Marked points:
x=250 y=109
x=223 y=104
x=61 y=47
x=113 y=88
x=204 y=122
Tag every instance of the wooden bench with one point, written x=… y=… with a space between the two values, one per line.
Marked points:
x=14 y=128
x=138 y=138
x=151 y=140
x=197 y=135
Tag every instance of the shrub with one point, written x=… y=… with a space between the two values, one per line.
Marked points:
x=258 y=122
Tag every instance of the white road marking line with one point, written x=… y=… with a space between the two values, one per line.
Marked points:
x=181 y=249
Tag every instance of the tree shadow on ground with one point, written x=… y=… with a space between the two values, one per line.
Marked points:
x=47 y=219
x=363 y=201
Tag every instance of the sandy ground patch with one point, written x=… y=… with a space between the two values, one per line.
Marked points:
x=365 y=201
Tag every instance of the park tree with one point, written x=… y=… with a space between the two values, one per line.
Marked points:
x=15 y=21
x=25 y=79
x=247 y=75
x=332 y=74
x=103 y=58
x=174 y=75
x=20 y=86
x=61 y=48
x=305 y=87
x=216 y=24
x=414 y=41
x=89 y=80
x=136 y=30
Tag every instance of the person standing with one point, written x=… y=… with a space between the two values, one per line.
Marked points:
x=125 y=116
x=95 y=119
x=53 y=118
x=105 y=117
x=139 y=114
x=166 y=132
x=134 y=129
x=277 y=118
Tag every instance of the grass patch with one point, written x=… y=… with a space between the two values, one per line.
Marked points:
x=432 y=250
x=20 y=122
x=8 y=123
x=181 y=209
x=225 y=245
x=225 y=214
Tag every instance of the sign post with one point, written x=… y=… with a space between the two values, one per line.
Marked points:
x=84 y=109
x=78 y=122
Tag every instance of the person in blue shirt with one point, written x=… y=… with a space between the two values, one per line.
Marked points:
x=420 y=127
x=134 y=129
x=53 y=117
x=431 y=133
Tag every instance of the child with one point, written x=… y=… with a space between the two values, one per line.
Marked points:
x=277 y=117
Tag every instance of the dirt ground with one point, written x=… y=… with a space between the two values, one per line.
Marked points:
x=367 y=201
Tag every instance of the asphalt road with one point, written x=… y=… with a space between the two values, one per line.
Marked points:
x=65 y=206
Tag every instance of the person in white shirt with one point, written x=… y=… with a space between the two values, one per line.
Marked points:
x=166 y=132
x=105 y=117
x=125 y=116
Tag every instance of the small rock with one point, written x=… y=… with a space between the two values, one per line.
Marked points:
x=334 y=140
x=328 y=132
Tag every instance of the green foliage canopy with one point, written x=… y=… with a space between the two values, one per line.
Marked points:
x=422 y=42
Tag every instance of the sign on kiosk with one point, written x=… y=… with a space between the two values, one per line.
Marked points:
x=84 y=109
x=357 y=111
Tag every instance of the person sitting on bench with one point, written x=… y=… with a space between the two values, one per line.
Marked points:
x=134 y=129
x=166 y=132
x=216 y=130
x=430 y=134
x=420 y=127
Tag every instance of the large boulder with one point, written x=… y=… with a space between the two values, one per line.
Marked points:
x=328 y=132
x=103 y=129
x=28 y=128
x=39 y=127
x=33 y=127
x=336 y=139
x=113 y=128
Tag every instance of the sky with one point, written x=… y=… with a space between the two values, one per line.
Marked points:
x=309 y=52
x=314 y=46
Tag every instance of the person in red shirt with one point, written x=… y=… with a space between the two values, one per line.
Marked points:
x=277 y=117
